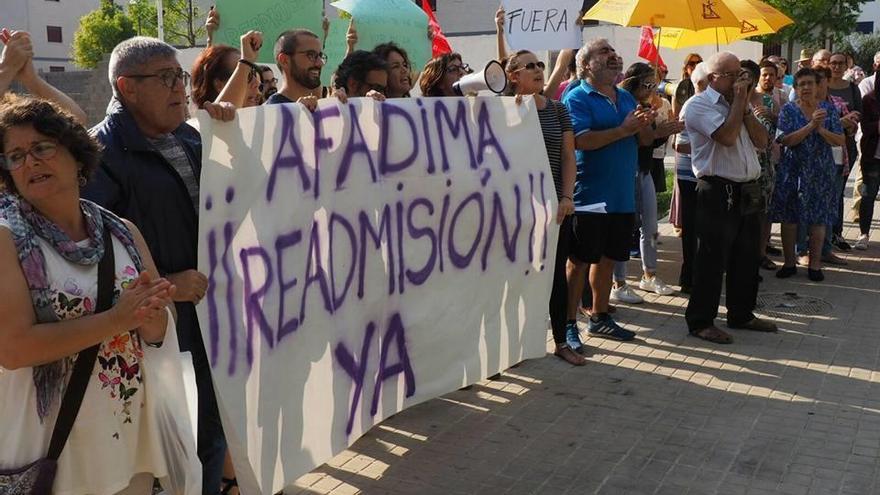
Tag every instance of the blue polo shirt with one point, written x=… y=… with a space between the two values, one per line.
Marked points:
x=606 y=175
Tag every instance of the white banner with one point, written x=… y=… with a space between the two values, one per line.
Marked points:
x=542 y=24
x=365 y=258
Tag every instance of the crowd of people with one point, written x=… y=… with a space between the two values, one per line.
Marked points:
x=754 y=145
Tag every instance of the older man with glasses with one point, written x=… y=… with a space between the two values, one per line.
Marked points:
x=149 y=174
x=724 y=135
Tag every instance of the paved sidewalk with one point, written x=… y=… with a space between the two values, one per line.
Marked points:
x=796 y=412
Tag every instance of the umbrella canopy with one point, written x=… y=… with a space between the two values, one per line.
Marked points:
x=693 y=15
x=755 y=18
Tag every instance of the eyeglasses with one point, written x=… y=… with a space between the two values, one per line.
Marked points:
x=452 y=69
x=649 y=85
x=532 y=66
x=42 y=150
x=312 y=55
x=167 y=77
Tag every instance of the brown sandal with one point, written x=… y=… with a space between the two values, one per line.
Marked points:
x=714 y=334
x=565 y=352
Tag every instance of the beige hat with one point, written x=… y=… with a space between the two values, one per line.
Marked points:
x=805 y=55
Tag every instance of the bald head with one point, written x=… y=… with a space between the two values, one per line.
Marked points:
x=718 y=61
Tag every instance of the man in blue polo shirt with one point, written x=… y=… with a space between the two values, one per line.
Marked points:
x=608 y=125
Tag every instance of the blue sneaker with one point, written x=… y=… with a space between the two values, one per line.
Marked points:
x=606 y=327
x=572 y=337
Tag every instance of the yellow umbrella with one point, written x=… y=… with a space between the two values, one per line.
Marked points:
x=693 y=15
x=677 y=38
x=687 y=14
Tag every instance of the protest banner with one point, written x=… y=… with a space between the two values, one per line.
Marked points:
x=377 y=22
x=542 y=25
x=362 y=259
x=272 y=17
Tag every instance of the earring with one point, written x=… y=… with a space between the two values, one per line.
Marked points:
x=82 y=179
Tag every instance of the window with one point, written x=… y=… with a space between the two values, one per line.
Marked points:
x=56 y=68
x=866 y=27
x=53 y=34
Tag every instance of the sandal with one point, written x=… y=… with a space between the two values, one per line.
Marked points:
x=768 y=264
x=227 y=484
x=713 y=334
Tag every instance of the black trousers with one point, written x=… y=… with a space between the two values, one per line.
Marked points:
x=559 y=294
x=687 y=197
x=870 y=187
x=726 y=242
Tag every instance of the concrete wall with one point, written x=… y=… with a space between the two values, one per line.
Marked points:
x=89 y=89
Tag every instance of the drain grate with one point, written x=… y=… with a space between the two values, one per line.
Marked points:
x=792 y=304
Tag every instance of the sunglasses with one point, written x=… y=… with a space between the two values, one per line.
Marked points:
x=649 y=85
x=452 y=69
x=533 y=66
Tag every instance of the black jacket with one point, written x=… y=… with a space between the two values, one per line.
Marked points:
x=137 y=183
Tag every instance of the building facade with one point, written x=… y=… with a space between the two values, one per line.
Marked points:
x=51 y=24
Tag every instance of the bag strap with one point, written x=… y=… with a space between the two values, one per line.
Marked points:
x=85 y=361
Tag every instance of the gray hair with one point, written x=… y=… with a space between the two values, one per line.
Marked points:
x=134 y=53
x=583 y=56
x=700 y=74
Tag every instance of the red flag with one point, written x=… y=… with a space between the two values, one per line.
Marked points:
x=440 y=44
x=647 y=49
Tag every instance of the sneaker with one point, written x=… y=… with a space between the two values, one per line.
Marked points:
x=655 y=285
x=862 y=243
x=606 y=327
x=572 y=336
x=841 y=243
x=624 y=294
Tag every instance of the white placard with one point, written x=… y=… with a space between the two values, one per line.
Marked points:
x=542 y=24
x=364 y=258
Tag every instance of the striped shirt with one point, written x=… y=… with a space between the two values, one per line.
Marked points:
x=173 y=152
x=555 y=121
x=705 y=114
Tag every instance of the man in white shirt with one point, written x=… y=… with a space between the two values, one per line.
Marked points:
x=724 y=135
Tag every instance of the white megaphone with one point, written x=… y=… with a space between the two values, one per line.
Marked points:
x=492 y=78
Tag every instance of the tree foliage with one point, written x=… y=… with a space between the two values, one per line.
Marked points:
x=99 y=31
x=863 y=47
x=816 y=22
x=182 y=19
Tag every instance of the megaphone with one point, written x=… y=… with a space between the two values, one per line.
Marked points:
x=492 y=78
x=667 y=88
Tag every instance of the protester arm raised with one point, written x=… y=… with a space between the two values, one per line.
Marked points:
x=236 y=89
x=559 y=73
x=499 y=34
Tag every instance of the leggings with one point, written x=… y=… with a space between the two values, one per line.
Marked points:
x=559 y=294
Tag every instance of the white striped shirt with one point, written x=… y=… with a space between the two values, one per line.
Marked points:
x=705 y=114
